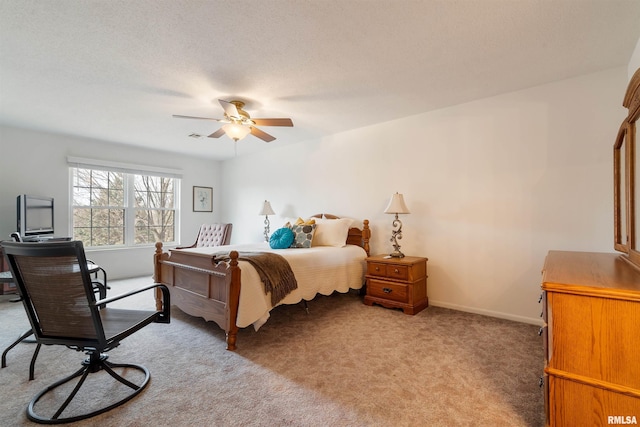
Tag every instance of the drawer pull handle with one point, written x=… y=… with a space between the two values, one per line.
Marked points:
x=540 y=332
x=377 y=268
x=540 y=299
x=540 y=382
x=396 y=271
x=387 y=290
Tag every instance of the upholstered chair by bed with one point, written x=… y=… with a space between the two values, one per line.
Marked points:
x=212 y=235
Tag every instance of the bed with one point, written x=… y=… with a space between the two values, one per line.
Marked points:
x=219 y=285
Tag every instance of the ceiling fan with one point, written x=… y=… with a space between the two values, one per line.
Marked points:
x=238 y=123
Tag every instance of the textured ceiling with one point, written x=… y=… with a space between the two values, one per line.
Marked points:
x=118 y=70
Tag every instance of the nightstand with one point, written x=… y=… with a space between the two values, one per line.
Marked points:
x=397 y=283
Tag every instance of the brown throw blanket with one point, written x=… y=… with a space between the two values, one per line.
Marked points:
x=274 y=271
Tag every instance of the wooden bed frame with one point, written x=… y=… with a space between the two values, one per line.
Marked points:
x=208 y=288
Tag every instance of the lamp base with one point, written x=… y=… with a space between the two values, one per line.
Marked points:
x=395 y=235
x=396 y=254
x=266 y=228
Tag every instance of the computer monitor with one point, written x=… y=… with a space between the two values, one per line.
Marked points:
x=35 y=215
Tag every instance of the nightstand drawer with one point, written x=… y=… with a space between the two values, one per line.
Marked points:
x=398 y=272
x=377 y=269
x=390 y=271
x=387 y=290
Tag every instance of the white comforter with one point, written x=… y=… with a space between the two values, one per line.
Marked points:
x=318 y=270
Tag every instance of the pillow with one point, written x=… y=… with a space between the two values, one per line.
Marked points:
x=298 y=221
x=281 y=238
x=303 y=235
x=289 y=222
x=332 y=232
x=357 y=223
x=329 y=216
x=301 y=221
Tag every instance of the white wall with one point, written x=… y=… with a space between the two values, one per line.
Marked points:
x=634 y=62
x=36 y=163
x=492 y=185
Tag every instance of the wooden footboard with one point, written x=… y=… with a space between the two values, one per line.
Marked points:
x=202 y=286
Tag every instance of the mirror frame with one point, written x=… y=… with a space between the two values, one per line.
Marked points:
x=620 y=193
x=626 y=238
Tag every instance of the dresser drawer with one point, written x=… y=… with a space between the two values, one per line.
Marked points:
x=544 y=333
x=387 y=290
x=543 y=301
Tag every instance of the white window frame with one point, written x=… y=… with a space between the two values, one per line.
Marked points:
x=129 y=208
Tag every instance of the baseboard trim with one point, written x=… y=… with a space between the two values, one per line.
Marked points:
x=490 y=313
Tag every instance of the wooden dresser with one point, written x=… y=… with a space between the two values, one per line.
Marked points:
x=397 y=283
x=592 y=339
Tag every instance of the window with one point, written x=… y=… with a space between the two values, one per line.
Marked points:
x=98 y=207
x=154 y=209
x=121 y=208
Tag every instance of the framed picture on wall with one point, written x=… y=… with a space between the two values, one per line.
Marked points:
x=202 y=199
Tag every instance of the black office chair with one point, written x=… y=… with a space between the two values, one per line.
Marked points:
x=22 y=338
x=60 y=302
x=98 y=274
x=98 y=281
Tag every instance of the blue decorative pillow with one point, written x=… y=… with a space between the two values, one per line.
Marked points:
x=281 y=238
x=303 y=235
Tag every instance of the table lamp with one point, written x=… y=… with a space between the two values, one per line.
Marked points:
x=396 y=206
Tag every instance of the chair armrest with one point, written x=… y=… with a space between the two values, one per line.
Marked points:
x=186 y=247
x=164 y=315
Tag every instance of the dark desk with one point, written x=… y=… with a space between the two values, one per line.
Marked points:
x=6 y=280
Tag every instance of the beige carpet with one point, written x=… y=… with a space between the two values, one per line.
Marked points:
x=344 y=364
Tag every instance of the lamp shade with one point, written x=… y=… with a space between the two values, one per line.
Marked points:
x=236 y=131
x=396 y=205
x=266 y=209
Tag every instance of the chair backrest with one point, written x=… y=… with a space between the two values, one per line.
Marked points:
x=57 y=293
x=214 y=235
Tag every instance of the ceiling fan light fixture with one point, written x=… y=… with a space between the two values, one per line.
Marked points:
x=236 y=131
x=238 y=123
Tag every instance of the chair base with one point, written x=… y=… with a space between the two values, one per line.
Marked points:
x=23 y=338
x=94 y=363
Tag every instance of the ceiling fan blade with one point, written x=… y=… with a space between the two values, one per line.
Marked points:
x=261 y=134
x=273 y=122
x=217 y=134
x=177 y=116
x=230 y=109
